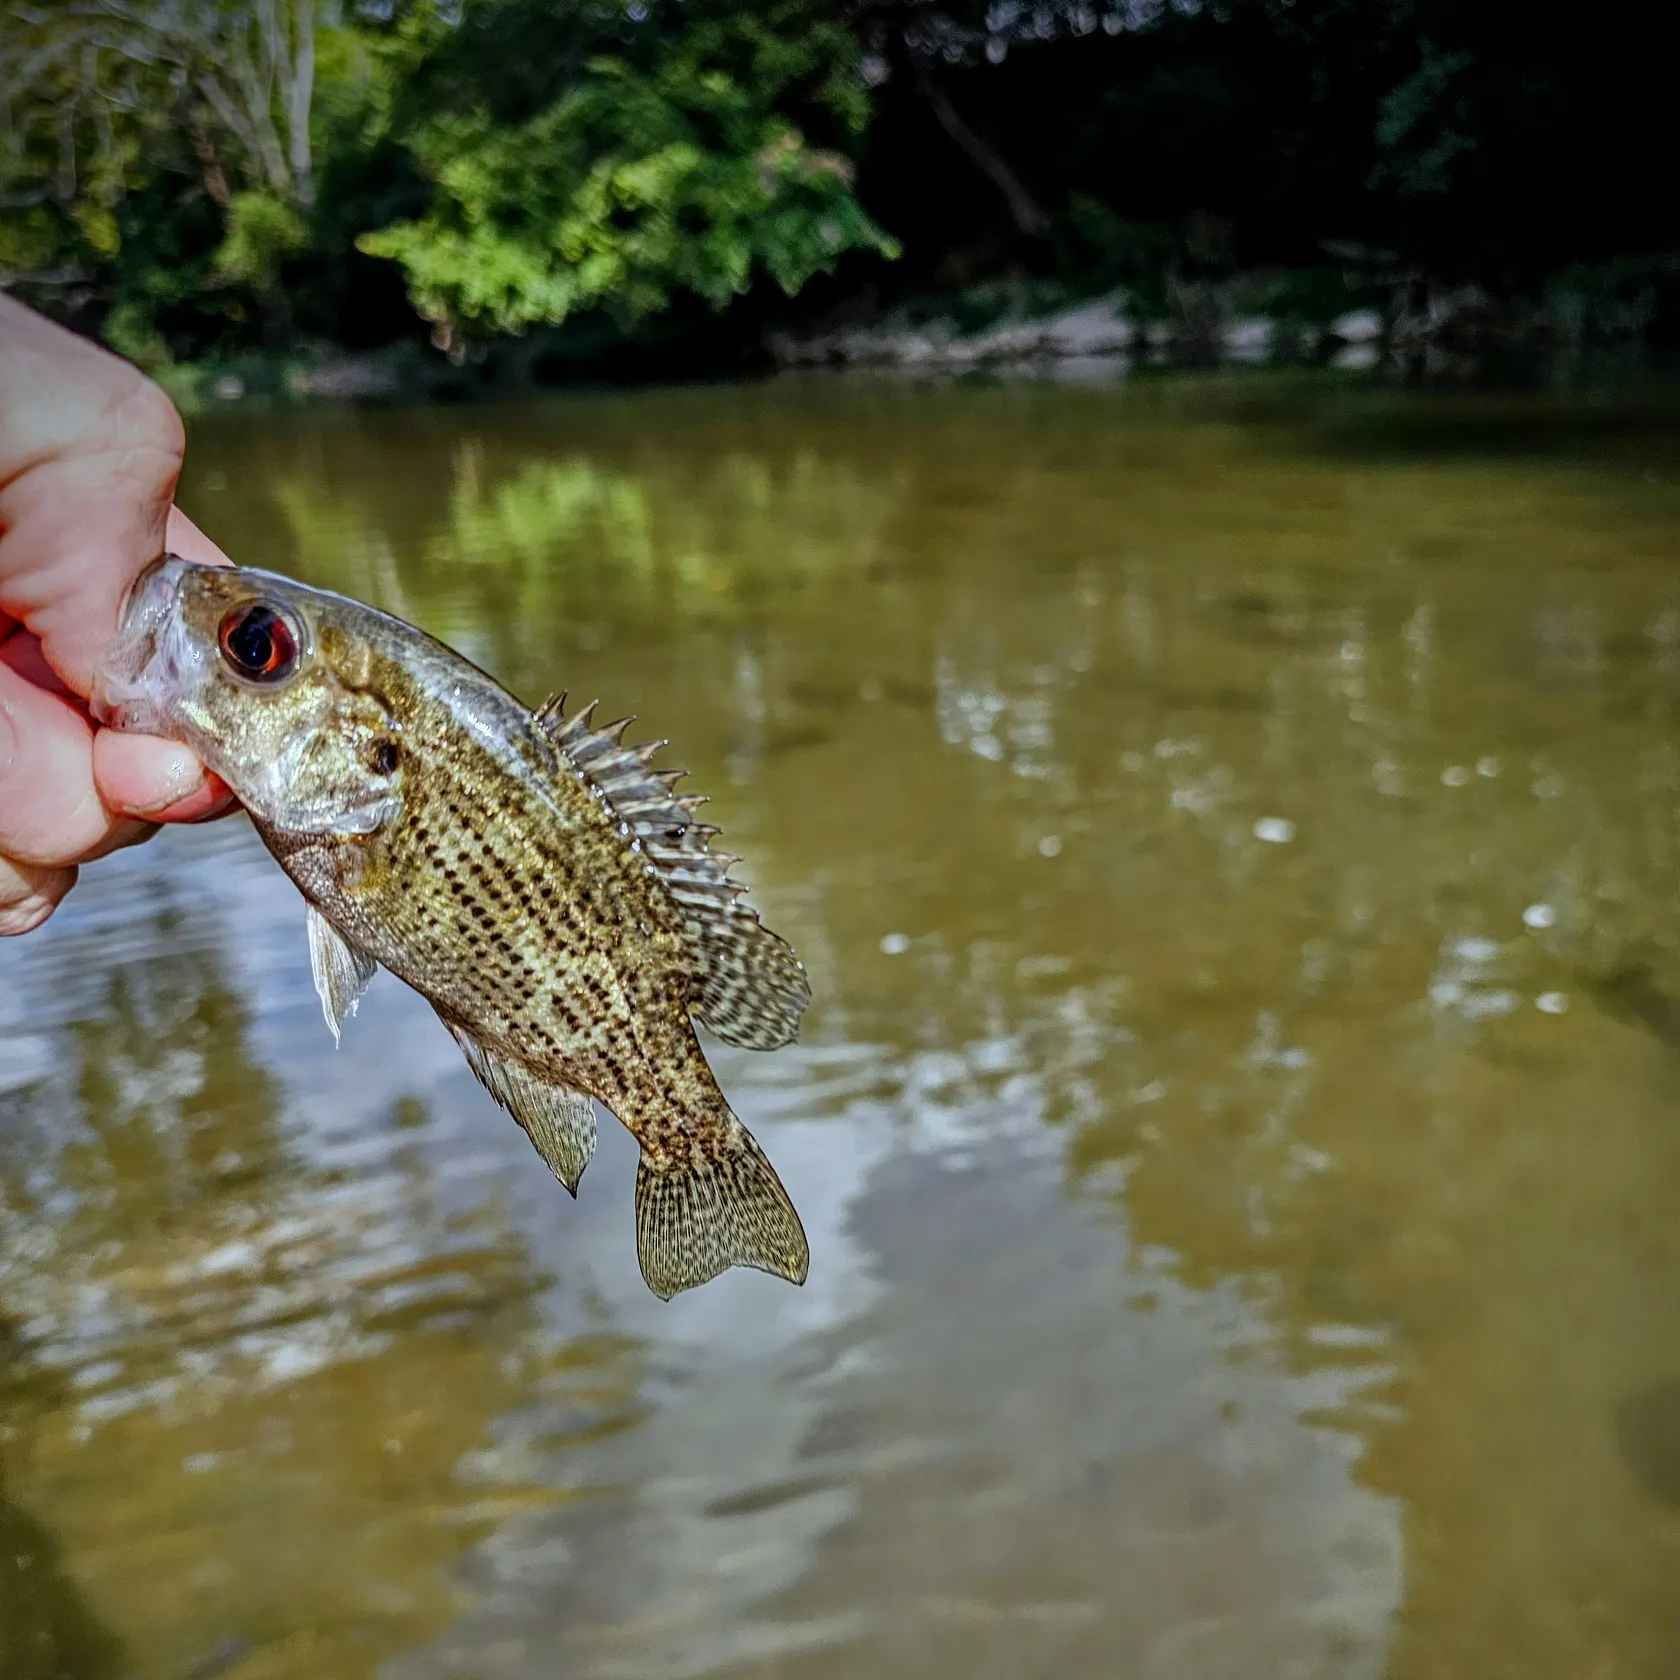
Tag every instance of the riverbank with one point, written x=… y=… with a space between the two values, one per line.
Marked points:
x=1097 y=329
x=1412 y=332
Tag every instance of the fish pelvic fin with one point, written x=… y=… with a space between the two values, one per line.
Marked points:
x=747 y=985
x=559 y=1121
x=720 y=1206
x=342 y=971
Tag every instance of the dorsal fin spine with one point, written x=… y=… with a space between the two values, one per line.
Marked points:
x=748 y=986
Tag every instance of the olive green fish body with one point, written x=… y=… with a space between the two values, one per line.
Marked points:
x=530 y=875
x=521 y=914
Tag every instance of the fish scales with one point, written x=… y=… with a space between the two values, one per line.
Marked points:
x=527 y=874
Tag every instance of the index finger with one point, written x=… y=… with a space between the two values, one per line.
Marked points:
x=90 y=451
x=185 y=538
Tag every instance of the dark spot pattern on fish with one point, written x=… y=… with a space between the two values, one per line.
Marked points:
x=533 y=878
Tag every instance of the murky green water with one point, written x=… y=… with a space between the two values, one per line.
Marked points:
x=1233 y=832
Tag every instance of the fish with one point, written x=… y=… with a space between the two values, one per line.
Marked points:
x=533 y=877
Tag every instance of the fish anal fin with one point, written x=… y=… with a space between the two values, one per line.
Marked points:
x=699 y=1214
x=342 y=971
x=559 y=1121
x=747 y=985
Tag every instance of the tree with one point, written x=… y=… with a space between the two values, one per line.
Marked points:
x=237 y=74
x=101 y=96
x=671 y=167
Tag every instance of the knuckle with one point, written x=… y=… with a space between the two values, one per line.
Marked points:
x=58 y=832
x=148 y=409
x=19 y=919
x=28 y=897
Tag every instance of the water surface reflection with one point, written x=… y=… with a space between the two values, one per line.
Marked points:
x=1232 y=829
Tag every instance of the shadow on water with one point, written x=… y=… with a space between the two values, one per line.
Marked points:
x=1375 y=422
x=48 y=1631
x=1246 y=1233
x=1648 y=1431
x=1633 y=993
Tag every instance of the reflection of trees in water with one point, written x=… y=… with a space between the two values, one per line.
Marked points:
x=530 y=548
x=178 y=1120
x=245 y=1380
x=48 y=1631
x=1019 y=697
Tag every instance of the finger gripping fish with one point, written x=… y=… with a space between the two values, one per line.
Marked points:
x=530 y=875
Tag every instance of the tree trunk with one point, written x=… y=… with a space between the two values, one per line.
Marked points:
x=210 y=169
x=1029 y=219
x=299 y=94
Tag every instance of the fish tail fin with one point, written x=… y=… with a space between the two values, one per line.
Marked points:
x=720 y=1206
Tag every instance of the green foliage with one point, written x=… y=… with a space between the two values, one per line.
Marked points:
x=1422 y=126
x=201 y=180
x=1107 y=250
x=131 y=330
x=262 y=231
x=635 y=185
x=167 y=146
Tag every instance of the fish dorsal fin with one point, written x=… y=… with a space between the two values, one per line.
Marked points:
x=342 y=971
x=559 y=1121
x=749 y=987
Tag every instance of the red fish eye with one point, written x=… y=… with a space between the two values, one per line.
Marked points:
x=259 y=643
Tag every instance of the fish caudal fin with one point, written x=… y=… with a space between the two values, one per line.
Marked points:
x=722 y=1207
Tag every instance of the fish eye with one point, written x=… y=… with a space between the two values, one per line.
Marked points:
x=258 y=641
x=386 y=757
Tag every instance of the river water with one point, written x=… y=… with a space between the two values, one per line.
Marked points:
x=1231 y=825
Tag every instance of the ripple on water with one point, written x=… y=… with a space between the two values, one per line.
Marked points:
x=1240 y=1248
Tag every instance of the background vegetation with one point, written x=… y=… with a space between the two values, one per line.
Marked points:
x=559 y=186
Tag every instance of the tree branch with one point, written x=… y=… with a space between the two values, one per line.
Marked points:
x=1029 y=219
x=299 y=92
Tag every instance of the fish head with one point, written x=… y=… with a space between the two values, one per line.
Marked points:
x=270 y=684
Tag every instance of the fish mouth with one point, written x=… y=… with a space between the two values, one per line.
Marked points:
x=141 y=670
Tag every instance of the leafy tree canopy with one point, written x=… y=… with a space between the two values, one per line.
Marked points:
x=193 y=178
x=638 y=181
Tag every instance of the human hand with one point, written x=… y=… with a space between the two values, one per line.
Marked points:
x=89 y=454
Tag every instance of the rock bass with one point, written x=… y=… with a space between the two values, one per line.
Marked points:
x=535 y=879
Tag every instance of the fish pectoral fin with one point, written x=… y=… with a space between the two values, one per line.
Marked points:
x=342 y=971
x=559 y=1121
x=722 y=1206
